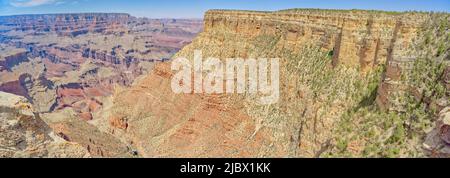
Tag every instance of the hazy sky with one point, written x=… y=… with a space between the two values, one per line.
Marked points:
x=196 y=8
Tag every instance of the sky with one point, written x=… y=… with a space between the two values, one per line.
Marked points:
x=196 y=8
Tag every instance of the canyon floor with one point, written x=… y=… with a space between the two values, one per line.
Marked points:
x=353 y=83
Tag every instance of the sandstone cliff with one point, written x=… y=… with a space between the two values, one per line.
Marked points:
x=352 y=84
x=331 y=67
x=355 y=38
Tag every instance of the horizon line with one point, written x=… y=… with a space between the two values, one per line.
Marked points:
x=130 y=14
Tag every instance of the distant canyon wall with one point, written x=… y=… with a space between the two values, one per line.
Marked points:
x=69 y=24
x=94 y=51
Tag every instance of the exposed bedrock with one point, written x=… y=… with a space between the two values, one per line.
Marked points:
x=161 y=123
x=358 y=39
x=12 y=60
x=40 y=91
x=24 y=134
x=69 y=24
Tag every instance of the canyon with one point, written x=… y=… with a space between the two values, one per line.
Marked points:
x=350 y=83
x=72 y=62
x=331 y=62
x=25 y=134
x=68 y=60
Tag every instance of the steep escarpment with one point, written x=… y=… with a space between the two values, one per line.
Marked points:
x=353 y=38
x=331 y=66
x=24 y=134
x=11 y=60
x=352 y=84
x=422 y=69
x=69 y=24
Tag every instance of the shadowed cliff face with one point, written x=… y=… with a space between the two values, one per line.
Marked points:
x=331 y=64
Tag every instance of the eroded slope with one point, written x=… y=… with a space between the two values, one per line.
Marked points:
x=331 y=63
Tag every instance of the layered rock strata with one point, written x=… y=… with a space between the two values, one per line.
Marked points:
x=24 y=134
x=69 y=24
x=161 y=123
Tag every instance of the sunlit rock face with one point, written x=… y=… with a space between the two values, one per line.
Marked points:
x=73 y=60
x=357 y=38
x=69 y=24
x=66 y=66
x=109 y=89
x=161 y=123
x=24 y=134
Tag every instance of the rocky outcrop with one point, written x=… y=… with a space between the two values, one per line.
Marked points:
x=394 y=86
x=354 y=38
x=12 y=60
x=413 y=69
x=160 y=123
x=444 y=126
x=14 y=87
x=97 y=143
x=40 y=92
x=81 y=99
x=437 y=142
x=24 y=134
x=67 y=65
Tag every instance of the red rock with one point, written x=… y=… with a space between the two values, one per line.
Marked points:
x=70 y=24
x=85 y=116
x=118 y=122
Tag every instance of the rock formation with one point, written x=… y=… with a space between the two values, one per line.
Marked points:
x=24 y=134
x=67 y=65
x=160 y=123
x=341 y=72
x=69 y=24
x=355 y=38
x=438 y=140
x=42 y=61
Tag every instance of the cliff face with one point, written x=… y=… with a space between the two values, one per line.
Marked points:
x=331 y=73
x=324 y=56
x=24 y=134
x=353 y=38
x=427 y=56
x=69 y=24
x=357 y=39
x=11 y=60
